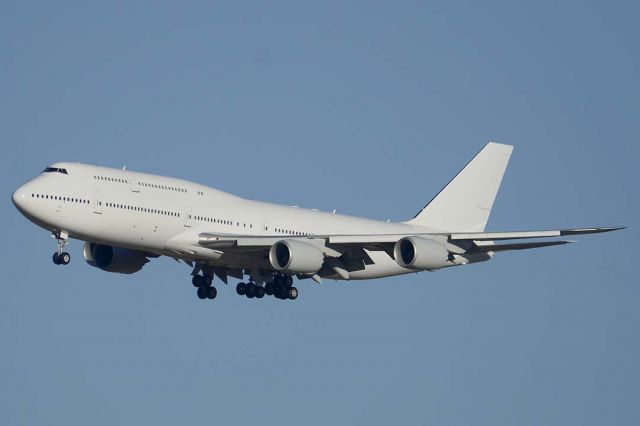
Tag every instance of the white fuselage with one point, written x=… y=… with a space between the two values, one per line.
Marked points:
x=160 y=214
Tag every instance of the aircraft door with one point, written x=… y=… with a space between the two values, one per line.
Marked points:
x=97 y=202
x=186 y=216
x=133 y=183
x=264 y=226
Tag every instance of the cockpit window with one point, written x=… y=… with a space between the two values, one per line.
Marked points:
x=55 y=170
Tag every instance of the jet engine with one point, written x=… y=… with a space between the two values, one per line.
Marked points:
x=114 y=259
x=420 y=253
x=296 y=257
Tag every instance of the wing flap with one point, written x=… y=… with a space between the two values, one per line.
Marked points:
x=517 y=235
x=518 y=246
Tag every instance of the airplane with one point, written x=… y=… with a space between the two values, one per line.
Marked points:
x=127 y=218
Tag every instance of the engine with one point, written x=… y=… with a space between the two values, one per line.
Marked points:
x=295 y=256
x=420 y=253
x=114 y=259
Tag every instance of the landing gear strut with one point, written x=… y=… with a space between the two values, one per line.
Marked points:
x=61 y=257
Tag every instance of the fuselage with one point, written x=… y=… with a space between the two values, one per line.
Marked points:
x=157 y=213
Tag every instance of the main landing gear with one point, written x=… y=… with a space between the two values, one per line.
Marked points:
x=281 y=288
x=61 y=257
x=205 y=289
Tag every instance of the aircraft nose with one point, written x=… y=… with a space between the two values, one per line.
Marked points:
x=19 y=198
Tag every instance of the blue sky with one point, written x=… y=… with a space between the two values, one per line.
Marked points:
x=331 y=105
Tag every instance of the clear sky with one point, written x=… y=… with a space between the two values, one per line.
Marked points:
x=367 y=107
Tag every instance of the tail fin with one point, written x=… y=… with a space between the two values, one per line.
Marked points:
x=465 y=203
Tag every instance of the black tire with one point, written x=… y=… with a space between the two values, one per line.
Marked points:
x=212 y=292
x=268 y=289
x=278 y=292
x=202 y=293
x=55 y=259
x=277 y=280
x=292 y=293
x=288 y=280
x=260 y=291
x=241 y=289
x=251 y=291
x=197 y=280
x=64 y=258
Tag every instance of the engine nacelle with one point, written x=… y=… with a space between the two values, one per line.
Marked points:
x=114 y=259
x=295 y=256
x=420 y=253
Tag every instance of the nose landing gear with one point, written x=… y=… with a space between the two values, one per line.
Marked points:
x=61 y=257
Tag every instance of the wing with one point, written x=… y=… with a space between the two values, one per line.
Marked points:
x=348 y=253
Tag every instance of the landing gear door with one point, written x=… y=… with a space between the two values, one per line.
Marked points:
x=186 y=217
x=97 y=202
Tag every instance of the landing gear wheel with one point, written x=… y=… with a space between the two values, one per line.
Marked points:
x=268 y=289
x=212 y=292
x=293 y=293
x=260 y=291
x=197 y=280
x=241 y=289
x=55 y=259
x=278 y=292
x=288 y=280
x=251 y=291
x=202 y=293
x=64 y=258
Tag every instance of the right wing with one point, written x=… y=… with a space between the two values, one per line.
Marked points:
x=348 y=253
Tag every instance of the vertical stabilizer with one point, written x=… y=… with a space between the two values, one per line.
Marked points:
x=465 y=203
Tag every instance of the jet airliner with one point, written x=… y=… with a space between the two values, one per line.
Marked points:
x=127 y=218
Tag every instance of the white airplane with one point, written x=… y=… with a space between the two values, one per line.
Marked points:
x=125 y=218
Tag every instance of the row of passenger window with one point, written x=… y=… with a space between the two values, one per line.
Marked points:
x=220 y=221
x=145 y=184
x=165 y=187
x=289 y=232
x=142 y=209
x=60 y=198
x=110 y=179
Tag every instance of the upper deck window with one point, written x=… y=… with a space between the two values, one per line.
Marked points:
x=55 y=170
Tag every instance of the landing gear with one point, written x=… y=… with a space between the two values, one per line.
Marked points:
x=202 y=293
x=205 y=289
x=280 y=288
x=250 y=290
x=197 y=280
x=212 y=292
x=293 y=293
x=61 y=257
x=241 y=289
x=268 y=289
